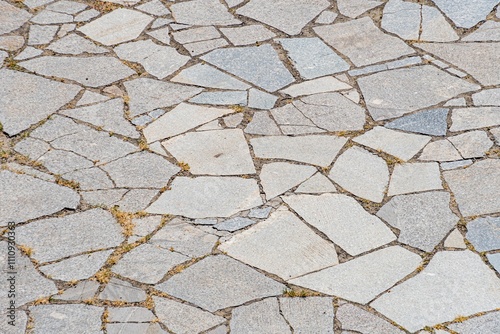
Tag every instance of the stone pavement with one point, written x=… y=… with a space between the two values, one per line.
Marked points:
x=250 y=166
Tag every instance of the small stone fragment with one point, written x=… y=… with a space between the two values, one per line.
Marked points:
x=455 y=240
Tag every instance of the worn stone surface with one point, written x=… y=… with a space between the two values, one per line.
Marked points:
x=484 y=233
x=355 y=318
x=440 y=150
x=208 y=76
x=260 y=316
x=74 y=44
x=247 y=35
x=414 y=177
x=118 y=290
x=488 y=324
x=474 y=118
x=278 y=177
x=72 y=318
x=473 y=144
x=78 y=267
x=82 y=291
x=455 y=240
x=428 y=122
x=11 y=17
x=299 y=312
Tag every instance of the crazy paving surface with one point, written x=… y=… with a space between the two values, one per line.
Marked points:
x=251 y=166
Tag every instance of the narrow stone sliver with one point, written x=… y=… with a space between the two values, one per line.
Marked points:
x=249 y=166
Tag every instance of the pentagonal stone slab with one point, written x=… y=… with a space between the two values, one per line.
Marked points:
x=342 y=220
x=96 y=229
x=36 y=198
x=67 y=318
x=28 y=99
x=437 y=294
x=423 y=219
x=218 y=282
x=214 y=196
x=282 y=245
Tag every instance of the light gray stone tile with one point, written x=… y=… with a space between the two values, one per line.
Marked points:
x=494 y=260
x=440 y=150
x=216 y=197
x=118 y=290
x=458 y=102
x=258 y=65
x=455 y=164
x=122 y=328
x=466 y=14
x=435 y=28
x=390 y=93
x=246 y=35
x=258 y=99
x=202 y=13
x=488 y=31
x=428 y=122
x=487 y=324
x=27 y=53
x=154 y=7
x=23 y=169
x=87 y=15
x=455 y=240
x=316 y=149
x=221 y=98
x=29 y=99
x=290 y=115
x=234 y=224
x=473 y=191
x=473 y=144
x=32 y=148
x=262 y=124
x=355 y=318
x=103 y=197
x=436 y=295
x=354 y=8
x=11 y=43
x=308 y=315
x=260 y=213
x=68 y=7
x=342 y=220
x=118 y=26
x=11 y=17
x=361 y=173
x=184 y=319
x=484 y=233
x=316 y=184
x=136 y=200
x=289 y=16
x=37 y=198
x=196 y=34
x=278 y=177
x=282 y=245
x=349 y=281
x=402 y=18
x=312 y=57
x=262 y=316
x=198 y=48
x=130 y=314
x=84 y=290
x=474 y=118
x=326 y=17
x=207 y=76
x=90 y=97
x=234 y=120
x=67 y=318
x=487 y=97
x=423 y=219
x=51 y=17
x=90 y=178
x=161 y=35
x=218 y=282
x=414 y=177
x=315 y=86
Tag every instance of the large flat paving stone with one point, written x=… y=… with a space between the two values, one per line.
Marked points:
x=342 y=220
x=390 y=94
x=282 y=245
x=473 y=188
x=218 y=282
x=289 y=16
x=278 y=177
x=11 y=17
x=308 y=315
x=484 y=233
x=215 y=197
x=438 y=293
x=219 y=152
x=362 y=41
x=96 y=229
x=258 y=65
x=263 y=316
x=414 y=177
x=362 y=279
x=28 y=99
x=67 y=318
x=474 y=118
x=423 y=219
x=36 y=197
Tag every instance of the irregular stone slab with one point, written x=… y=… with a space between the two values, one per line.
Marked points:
x=147 y=94
x=28 y=52
x=89 y=71
x=391 y=94
x=342 y=220
x=202 y=13
x=317 y=150
x=440 y=150
x=473 y=191
x=11 y=43
x=208 y=76
x=221 y=98
x=399 y=144
x=488 y=31
x=234 y=224
x=130 y=327
x=474 y=118
x=279 y=177
x=154 y=7
x=68 y=7
x=262 y=124
x=472 y=144
x=23 y=169
x=356 y=319
x=494 y=259
x=289 y=16
x=246 y=35
x=108 y=115
x=354 y=8
x=436 y=295
x=260 y=100
x=51 y=17
x=487 y=97
x=183 y=318
x=198 y=48
x=218 y=282
x=90 y=97
x=414 y=177
x=219 y=152
x=11 y=17
x=466 y=14
x=90 y=179
x=74 y=44
x=362 y=41
x=428 y=122
x=181 y=119
x=68 y=317
x=130 y=314
x=487 y=324
x=478 y=59
x=37 y=198
x=147 y=263
x=78 y=267
x=233 y=121
x=39 y=35
x=160 y=61
x=118 y=290
x=435 y=27
x=262 y=316
x=84 y=290
x=60 y=162
x=348 y=280
x=423 y=219
x=96 y=228
x=260 y=213
x=320 y=85
x=141 y=170
x=87 y=15
x=263 y=246
x=184 y=239
x=332 y=112
x=29 y=99
x=258 y=65
x=196 y=34
x=300 y=311
x=29 y=286
x=118 y=26
x=312 y=57
x=316 y=184
x=455 y=240
x=215 y=197
x=326 y=17
x=361 y=173
x=484 y=233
